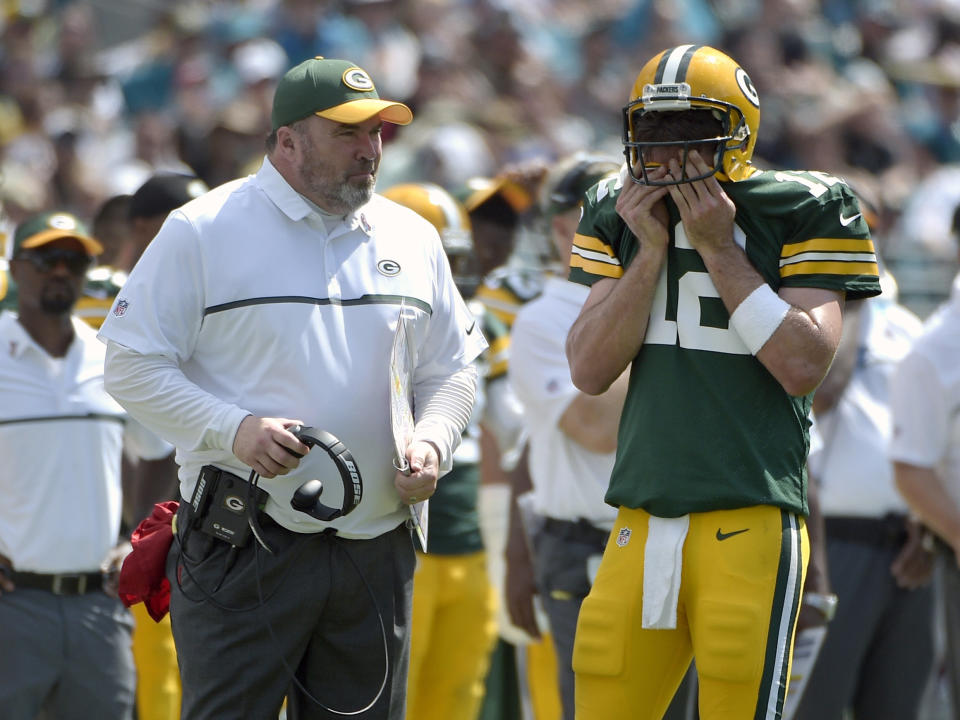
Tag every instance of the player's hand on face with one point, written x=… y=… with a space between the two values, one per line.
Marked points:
x=267 y=446
x=643 y=210
x=706 y=210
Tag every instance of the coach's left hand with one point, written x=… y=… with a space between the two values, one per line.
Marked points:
x=421 y=481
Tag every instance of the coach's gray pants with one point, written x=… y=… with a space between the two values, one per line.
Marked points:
x=65 y=657
x=244 y=626
x=878 y=651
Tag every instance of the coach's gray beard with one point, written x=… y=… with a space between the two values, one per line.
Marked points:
x=339 y=196
x=353 y=196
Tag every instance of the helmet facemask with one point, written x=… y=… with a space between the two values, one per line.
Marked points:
x=672 y=119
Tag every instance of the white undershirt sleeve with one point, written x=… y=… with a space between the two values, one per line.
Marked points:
x=154 y=390
x=503 y=416
x=442 y=410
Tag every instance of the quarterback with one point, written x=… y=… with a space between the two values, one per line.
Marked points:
x=723 y=287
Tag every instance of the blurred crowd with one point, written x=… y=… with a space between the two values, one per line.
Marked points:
x=98 y=96
x=865 y=89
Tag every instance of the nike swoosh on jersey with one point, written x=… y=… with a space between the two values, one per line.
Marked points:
x=847 y=220
x=723 y=536
x=472 y=326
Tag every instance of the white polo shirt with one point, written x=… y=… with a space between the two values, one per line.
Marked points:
x=267 y=312
x=569 y=481
x=925 y=398
x=61 y=440
x=852 y=467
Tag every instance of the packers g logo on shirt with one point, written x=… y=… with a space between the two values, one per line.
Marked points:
x=357 y=79
x=388 y=267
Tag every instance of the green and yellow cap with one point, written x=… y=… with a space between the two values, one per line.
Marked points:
x=334 y=89
x=44 y=228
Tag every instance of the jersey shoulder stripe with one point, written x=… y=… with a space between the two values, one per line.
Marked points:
x=496 y=358
x=594 y=256
x=829 y=256
x=505 y=290
x=861 y=246
x=811 y=224
x=588 y=243
x=597 y=250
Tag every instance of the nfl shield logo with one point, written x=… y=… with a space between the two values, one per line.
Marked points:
x=121 y=307
x=623 y=537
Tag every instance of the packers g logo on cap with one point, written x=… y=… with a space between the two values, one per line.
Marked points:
x=62 y=221
x=357 y=79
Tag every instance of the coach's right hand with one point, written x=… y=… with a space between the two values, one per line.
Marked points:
x=267 y=446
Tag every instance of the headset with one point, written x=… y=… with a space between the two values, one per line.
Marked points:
x=307 y=497
x=307 y=500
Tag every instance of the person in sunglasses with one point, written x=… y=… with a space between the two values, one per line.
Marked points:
x=65 y=635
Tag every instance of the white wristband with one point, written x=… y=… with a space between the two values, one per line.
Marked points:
x=758 y=317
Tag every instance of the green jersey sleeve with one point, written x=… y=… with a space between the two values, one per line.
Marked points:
x=603 y=245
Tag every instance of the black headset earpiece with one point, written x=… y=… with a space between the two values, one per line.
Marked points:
x=307 y=497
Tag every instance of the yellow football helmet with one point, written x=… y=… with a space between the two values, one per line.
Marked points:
x=449 y=217
x=696 y=77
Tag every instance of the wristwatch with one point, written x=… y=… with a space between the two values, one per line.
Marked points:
x=826 y=604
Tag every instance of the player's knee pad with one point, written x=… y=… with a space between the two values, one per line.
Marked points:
x=600 y=644
x=729 y=640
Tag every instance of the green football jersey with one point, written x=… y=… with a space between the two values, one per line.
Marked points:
x=496 y=358
x=506 y=289
x=102 y=287
x=454 y=522
x=705 y=426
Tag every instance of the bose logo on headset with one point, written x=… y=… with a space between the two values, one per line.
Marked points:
x=355 y=476
x=307 y=497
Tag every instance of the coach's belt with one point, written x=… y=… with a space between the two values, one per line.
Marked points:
x=59 y=583
x=580 y=530
x=889 y=531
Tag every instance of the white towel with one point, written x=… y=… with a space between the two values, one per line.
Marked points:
x=662 y=565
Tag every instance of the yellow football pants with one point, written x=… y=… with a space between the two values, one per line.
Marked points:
x=742 y=575
x=158 y=677
x=451 y=636
x=542 y=679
